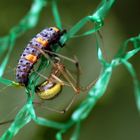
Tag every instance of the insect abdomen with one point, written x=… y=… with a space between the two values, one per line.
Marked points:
x=48 y=90
x=30 y=55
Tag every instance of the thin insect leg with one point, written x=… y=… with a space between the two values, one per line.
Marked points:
x=48 y=108
x=61 y=56
x=41 y=75
x=45 y=55
x=78 y=72
x=58 y=80
x=78 y=86
x=70 y=78
x=75 y=61
x=84 y=89
x=75 y=83
x=71 y=102
x=56 y=110
x=66 y=76
x=6 y=122
x=68 y=72
x=63 y=73
x=77 y=80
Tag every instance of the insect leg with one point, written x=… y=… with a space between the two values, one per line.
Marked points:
x=5 y=122
x=84 y=89
x=48 y=108
x=65 y=73
x=45 y=55
x=56 y=79
x=70 y=104
x=56 y=110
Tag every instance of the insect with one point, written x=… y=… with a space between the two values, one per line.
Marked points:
x=44 y=41
x=53 y=84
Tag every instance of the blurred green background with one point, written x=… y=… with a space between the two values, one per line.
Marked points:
x=115 y=117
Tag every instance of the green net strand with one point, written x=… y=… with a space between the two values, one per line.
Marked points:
x=10 y=39
x=56 y=14
x=21 y=119
x=135 y=81
x=95 y=93
x=101 y=85
x=96 y=18
x=82 y=112
x=135 y=41
x=27 y=112
x=7 y=82
x=29 y=21
x=76 y=132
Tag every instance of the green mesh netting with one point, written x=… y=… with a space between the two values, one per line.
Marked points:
x=27 y=113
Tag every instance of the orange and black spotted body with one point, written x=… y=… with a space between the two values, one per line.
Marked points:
x=44 y=41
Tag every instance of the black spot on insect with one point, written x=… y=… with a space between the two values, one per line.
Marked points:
x=50 y=29
x=23 y=75
x=27 y=63
x=36 y=44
